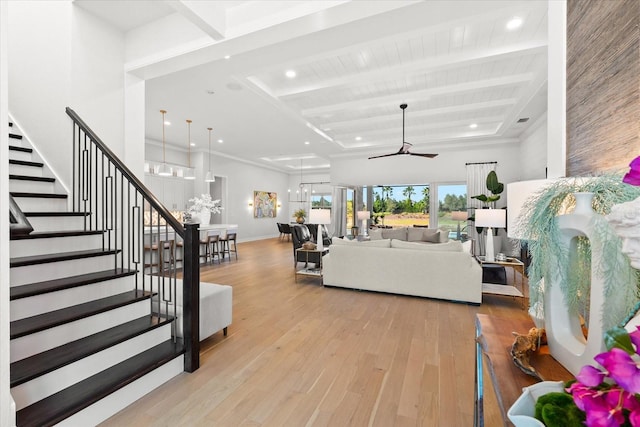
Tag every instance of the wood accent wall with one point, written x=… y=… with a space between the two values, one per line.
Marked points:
x=603 y=85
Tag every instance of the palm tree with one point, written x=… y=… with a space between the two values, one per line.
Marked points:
x=408 y=192
x=386 y=191
x=426 y=192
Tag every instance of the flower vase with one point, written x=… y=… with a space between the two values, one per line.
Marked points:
x=522 y=412
x=205 y=216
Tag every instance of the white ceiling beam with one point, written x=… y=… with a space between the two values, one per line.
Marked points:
x=209 y=16
x=423 y=113
x=408 y=96
x=464 y=59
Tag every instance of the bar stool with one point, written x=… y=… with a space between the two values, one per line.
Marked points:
x=164 y=256
x=213 y=243
x=226 y=241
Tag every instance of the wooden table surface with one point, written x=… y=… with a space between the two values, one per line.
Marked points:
x=495 y=338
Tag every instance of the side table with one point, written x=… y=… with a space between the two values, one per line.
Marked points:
x=316 y=271
x=507 y=290
x=493 y=343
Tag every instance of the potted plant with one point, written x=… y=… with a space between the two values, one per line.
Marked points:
x=494 y=186
x=299 y=215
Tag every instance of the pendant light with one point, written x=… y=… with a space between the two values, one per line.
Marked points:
x=164 y=170
x=210 y=177
x=189 y=173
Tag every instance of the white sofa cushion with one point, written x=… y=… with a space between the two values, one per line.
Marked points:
x=452 y=246
x=383 y=243
x=395 y=233
x=417 y=234
x=375 y=234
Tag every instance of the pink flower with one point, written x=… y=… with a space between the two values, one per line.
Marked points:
x=633 y=176
x=635 y=338
x=590 y=376
x=621 y=368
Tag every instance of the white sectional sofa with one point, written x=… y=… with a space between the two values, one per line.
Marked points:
x=433 y=270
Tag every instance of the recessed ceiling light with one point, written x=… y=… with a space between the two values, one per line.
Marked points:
x=473 y=125
x=227 y=56
x=306 y=143
x=193 y=144
x=168 y=123
x=514 y=23
x=358 y=138
x=290 y=73
x=220 y=141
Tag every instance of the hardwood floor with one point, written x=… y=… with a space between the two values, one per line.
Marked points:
x=299 y=354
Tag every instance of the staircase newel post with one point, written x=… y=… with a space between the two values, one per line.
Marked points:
x=191 y=297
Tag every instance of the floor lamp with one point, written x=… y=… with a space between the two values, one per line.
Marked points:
x=320 y=217
x=458 y=216
x=490 y=218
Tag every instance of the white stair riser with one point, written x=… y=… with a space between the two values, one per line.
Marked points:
x=58 y=270
x=53 y=337
x=20 y=155
x=31 y=186
x=115 y=402
x=52 y=245
x=46 y=385
x=37 y=204
x=25 y=170
x=38 y=304
x=57 y=223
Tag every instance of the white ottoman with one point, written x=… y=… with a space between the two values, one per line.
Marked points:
x=216 y=303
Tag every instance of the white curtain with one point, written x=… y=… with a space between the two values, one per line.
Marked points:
x=477 y=184
x=338 y=226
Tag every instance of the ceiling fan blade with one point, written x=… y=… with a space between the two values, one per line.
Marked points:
x=384 y=155
x=423 y=155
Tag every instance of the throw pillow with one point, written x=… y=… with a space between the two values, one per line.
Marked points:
x=444 y=236
x=414 y=234
x=431 y=237
x=309 y=246
x=452 y=246
x=395 y=233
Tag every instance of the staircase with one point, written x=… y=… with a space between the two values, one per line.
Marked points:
x=86 y=335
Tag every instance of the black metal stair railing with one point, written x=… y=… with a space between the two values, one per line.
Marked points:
x=118 y=203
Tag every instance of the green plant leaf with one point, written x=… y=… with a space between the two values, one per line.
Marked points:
x=480 y=197
x=492 y=199
x=492 y=181
x=618 y=337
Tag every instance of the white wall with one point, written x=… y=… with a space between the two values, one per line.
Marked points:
x=62 y=56
x=532 y=151
x=7 y=409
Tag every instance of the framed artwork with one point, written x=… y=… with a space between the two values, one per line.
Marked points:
x=265 y=204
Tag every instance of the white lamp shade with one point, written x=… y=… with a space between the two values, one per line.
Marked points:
x=362 y=215
x=190 y=174
x=494 y=218
x=320 y=216
x=459 y=216
x=518 y=193
x=164 y=170
x=209 y=177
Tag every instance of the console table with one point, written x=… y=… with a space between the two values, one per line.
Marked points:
x=493 y=343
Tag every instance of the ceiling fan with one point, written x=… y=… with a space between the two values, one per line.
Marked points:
x=404 y=150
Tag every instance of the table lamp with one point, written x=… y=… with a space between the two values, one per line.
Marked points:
x=363 y=216
x=320 y=217
x=458 y=216
x=490 y=218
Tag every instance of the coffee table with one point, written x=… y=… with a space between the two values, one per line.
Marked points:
x=506 y=290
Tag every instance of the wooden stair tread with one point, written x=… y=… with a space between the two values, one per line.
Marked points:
x=54 y=213
x=26 y=163
x=69 y=401
x=51 y=234
x=32 y=178
x=63 y=256
x=15 y=136
x=23 y=149
x=38 y=195
x=42 y=363
x=30 y=325
x=39 y=288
